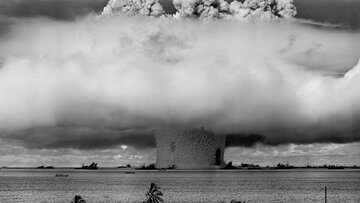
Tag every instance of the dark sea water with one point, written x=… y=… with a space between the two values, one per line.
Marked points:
x=37 y=185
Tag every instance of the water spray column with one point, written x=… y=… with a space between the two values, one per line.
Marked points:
x=189 y=149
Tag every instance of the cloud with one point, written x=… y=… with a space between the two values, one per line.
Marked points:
x=331 y=11
x=80 y=138
x=105 y=82
x=296 y=154
x=134 y=7
x=244 y=140
x=17 y=156
x=205 y=9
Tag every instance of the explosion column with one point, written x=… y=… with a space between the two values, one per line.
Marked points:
x=189 y=149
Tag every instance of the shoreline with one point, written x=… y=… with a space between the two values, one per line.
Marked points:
x=175 y=170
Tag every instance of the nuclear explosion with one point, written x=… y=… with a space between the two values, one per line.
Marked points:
x=198 y=148
x=189 y=149
x=205 y=9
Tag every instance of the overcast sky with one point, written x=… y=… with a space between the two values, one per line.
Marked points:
x=79 y=89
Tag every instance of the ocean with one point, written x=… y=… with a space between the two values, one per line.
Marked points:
x=113 y=185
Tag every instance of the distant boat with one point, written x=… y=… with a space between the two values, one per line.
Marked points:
x=61 y=175
x=129 y=172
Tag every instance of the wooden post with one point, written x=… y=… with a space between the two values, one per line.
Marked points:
x=325 y=195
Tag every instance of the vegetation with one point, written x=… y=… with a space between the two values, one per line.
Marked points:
x=92 y=166
x=284 y=166
x=229 y=165
x=171 y=167
x=127 y=166
x=45 y=167
x=335 y=167
x=250 y=165
x=331 y=166
x=78 y=199
x=147 y=167
x=235 y=201
x=154 y=195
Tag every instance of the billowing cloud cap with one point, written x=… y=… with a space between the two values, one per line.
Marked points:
x=134 y=7
x=204 y=9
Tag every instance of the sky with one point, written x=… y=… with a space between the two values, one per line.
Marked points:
x=76 y=88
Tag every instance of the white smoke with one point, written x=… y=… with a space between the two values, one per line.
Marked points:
x=123 y=73
x=134 y=7
x=204 y=9
x=201 y=8
x=263 y=9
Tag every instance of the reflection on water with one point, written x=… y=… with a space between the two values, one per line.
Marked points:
x=180 y=186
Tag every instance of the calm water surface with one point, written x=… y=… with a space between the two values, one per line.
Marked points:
x=36 y=185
